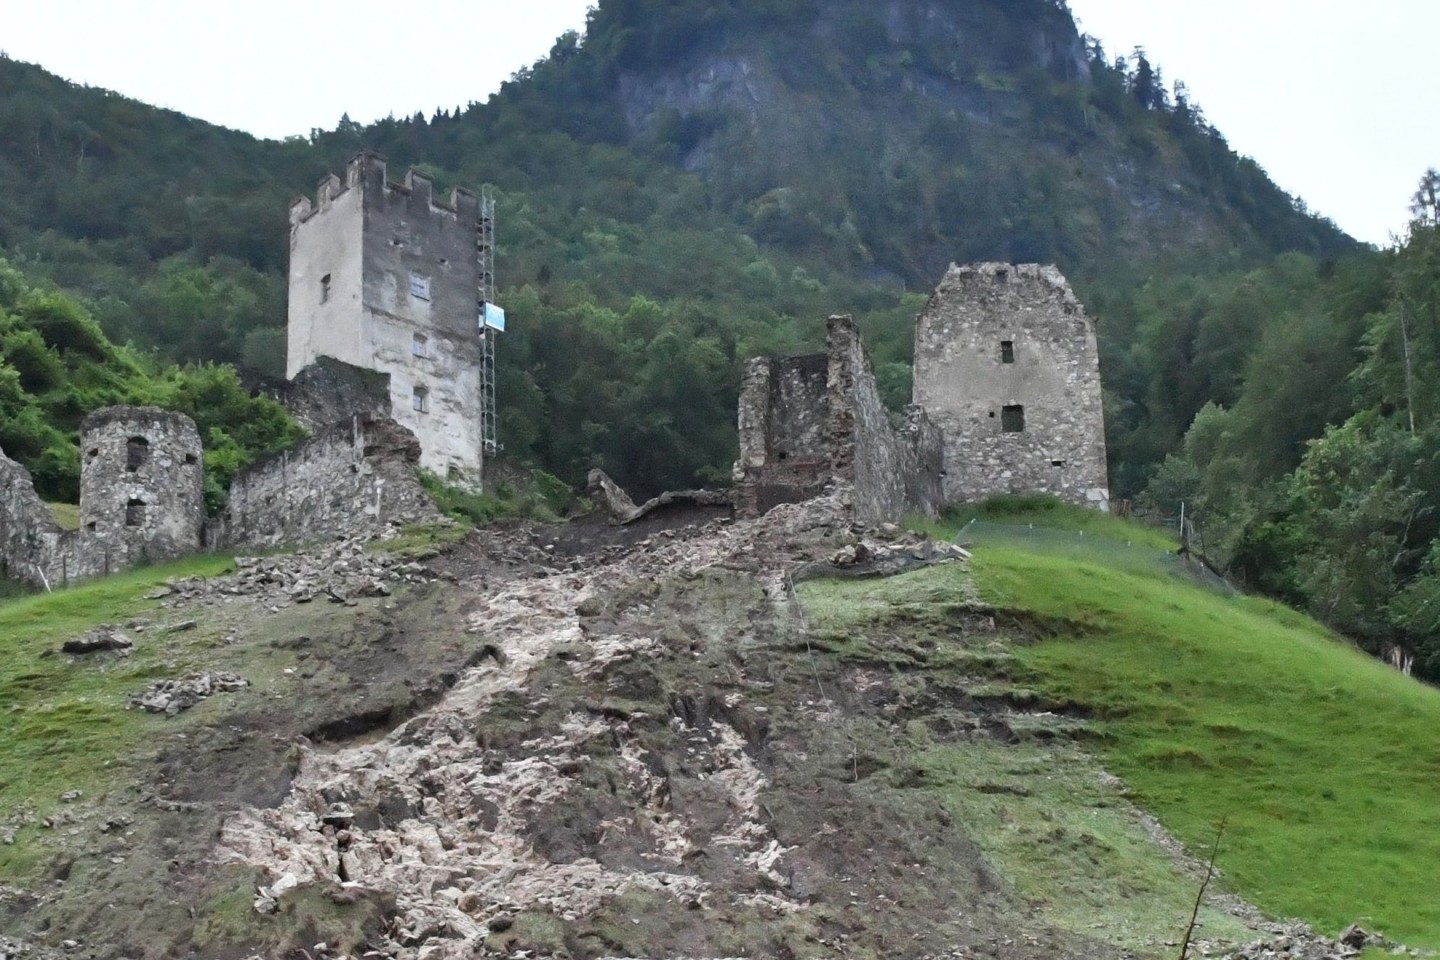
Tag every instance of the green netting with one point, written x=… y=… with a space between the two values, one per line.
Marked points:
x=1125 y=554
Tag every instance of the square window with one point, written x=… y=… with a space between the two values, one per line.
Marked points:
x=1007 y=351
x=420 y=345
x=1012 y=419
x=419 y=287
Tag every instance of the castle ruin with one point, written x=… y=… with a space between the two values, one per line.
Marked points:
x=385 y=277
x=1006 y=364
x=814 y=422
x=1007 y=400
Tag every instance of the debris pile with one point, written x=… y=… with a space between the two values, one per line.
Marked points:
x=339 y=572
x=174 y=696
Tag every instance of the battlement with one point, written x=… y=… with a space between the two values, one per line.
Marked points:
x=997 y=283
x=367 y=172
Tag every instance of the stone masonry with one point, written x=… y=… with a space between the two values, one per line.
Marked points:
x=816 y=422
x=385 y=277
x=141 y=496
x=352 y=479
x=1006 y=364
x=142 y=488
x=141 y=500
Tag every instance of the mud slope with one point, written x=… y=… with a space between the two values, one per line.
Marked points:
x=646 y=751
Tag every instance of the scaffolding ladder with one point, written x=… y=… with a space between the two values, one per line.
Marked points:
x=485 y=254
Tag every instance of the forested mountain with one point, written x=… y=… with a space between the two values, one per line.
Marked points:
x=692 y=183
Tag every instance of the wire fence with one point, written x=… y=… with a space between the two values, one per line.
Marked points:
x=1133 y=555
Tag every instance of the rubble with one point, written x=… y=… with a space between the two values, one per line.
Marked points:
x=339 y=572
x=171 y=697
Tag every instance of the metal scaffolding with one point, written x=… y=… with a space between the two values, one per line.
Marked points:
x=485 y=252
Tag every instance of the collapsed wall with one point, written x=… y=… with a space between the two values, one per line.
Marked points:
x=816 y=422
x=353 y=479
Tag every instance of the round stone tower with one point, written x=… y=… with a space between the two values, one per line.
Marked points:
x=141 y=486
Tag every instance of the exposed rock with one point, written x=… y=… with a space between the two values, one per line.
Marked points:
x=101 y=639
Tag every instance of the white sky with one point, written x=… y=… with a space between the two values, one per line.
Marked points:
x=1332 y=97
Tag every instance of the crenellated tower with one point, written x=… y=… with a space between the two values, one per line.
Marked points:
x=385 y=277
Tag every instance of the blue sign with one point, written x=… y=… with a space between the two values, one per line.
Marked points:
x=493 y=317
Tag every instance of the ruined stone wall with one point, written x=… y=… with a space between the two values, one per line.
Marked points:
x=385 y=277
x=30 y=539
x=891 y=472
x=352 y=479
x=785 y=454
x=812 y=422
x=1006 y=364
x=329 y=391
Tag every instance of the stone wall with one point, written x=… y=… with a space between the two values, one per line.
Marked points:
x=30 y=539
x=352 y=479
x=784 y=446
x=1006 y=364
x=891 y=472
x=816 y=422
x=330 y=391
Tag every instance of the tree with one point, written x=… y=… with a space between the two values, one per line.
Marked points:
x=1425 y=204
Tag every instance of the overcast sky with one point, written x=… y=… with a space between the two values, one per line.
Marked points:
x=1334 y=98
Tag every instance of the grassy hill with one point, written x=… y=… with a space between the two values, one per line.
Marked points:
x=1321 y=761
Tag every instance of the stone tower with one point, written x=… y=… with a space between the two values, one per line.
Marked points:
x=142 y=488
x=385 y=277
x=1007 y=365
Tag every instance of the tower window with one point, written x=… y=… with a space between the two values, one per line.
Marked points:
x=134 y=513
x=420 y=400
x=419 y=287
x=325 y=288
x=137 y=453
x=1012 y=419
x=420 y=345
x=1007 y=351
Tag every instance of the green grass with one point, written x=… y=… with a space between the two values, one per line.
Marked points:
x=1052 y=515
x=1324 y=761
x=63 y=722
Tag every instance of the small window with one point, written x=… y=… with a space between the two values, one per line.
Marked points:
x=419 y=287
x=420 y=345
x=1007 y=351
x=90 y=526
x=1012 y=419
x=325 y=289
x=420 y=400
x=135 y=513
x=191 y=459
x=137 y=453
x=1057 y=463
x=94 y=452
